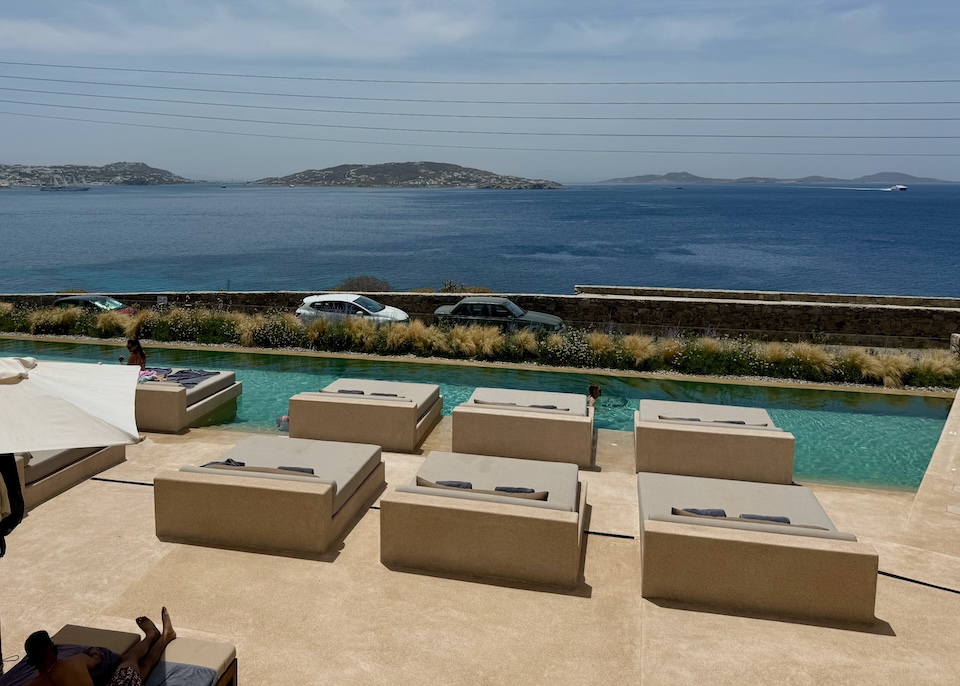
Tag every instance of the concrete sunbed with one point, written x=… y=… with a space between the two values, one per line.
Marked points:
x=424 y=526
x=168 y=407
x=530 y=425
x=220 y=658
x=263 y=508
x=48 y=473
x=792 y=570
x=718 y=441
x=395 y=415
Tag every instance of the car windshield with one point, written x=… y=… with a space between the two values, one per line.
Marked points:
x=515 y=309
x=368 y=304
x=108 y=303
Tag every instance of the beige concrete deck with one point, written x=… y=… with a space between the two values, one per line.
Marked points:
x=90 y=556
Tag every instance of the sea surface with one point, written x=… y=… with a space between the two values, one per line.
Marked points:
x=246 y=237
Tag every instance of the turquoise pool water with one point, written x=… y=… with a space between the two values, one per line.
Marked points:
x=865 y=439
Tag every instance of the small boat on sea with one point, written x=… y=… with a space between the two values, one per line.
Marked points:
x=898 y=187
x=65 y=182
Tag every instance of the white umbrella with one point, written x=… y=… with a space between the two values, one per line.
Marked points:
x=61 y=405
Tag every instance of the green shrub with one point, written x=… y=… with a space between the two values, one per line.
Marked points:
x=14 y=319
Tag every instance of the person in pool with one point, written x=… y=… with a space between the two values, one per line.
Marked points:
x=137 y=356
x=593 y=395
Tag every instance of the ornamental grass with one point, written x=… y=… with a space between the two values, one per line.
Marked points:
x=705 y=355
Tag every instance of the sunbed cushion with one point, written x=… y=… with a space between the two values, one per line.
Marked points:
x=660 y=494
x=344 y=465
x=210 y=386
x=423 y=394
x=42 y=463
x=706 y=415
x=527 y=493
x=559 y=480
x=571 y=404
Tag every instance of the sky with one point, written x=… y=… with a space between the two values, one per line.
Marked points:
x=562 y=90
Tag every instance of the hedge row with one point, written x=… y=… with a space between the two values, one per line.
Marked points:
x=575 y=348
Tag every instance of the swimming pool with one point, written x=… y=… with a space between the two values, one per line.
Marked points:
x=863 y=439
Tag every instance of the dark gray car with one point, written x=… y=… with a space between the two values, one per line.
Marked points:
x=496 y=311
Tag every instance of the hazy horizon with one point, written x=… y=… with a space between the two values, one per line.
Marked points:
x=557 y=91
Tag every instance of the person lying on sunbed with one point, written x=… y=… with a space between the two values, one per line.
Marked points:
x=134 y=668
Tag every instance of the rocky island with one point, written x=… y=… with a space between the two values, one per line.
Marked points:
x=406 y=175
x=686 y=178
x=116 y=174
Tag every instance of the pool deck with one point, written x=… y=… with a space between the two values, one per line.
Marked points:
x=90 y=556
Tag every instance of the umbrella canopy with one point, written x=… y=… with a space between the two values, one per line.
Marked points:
x=62 y=405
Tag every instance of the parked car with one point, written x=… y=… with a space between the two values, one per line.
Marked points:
x=94 y=303
x=340 y=305
x=496 y=311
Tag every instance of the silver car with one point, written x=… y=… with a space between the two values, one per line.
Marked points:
x=337 y=306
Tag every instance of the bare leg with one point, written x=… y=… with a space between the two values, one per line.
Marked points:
x=137 y=652
x=150 y=660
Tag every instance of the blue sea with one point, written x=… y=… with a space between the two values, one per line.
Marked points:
x=246 y=237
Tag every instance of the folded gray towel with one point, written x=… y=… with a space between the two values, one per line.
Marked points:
x=545 y=407
x=387 y=395
x=456 y=484
x=352 y=392
x=229 y=462
x=779 y=519
x=513 y=489
x=728 y=421
x=679 y=419
x=706 y=512
x=302 y=470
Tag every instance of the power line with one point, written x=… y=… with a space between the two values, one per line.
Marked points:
x=468 y=116
x=485 y=102
x=397 y=129
x=484 y=83
x=484 y=147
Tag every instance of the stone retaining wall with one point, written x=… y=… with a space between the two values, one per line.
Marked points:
x=862 y=323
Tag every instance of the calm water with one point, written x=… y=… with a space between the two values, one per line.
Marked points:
x=205 y=237
x=852 y=438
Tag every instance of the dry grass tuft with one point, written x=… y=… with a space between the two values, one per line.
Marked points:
x=6 y=308
x=813 y=357
x=710 y=345
x=462 y=341
x=54 y=320
x=774 y=353
x=362 y=331
x=638 y=349
x=397 y=336
x=489 y=340
x=526 y=341
x=938 y=364
x=599 y=343
x=669 y=348
x=248 y=328
x=112 y=324
x=316 y=330
x=139 y=322
x=894 y=367
x=869 y=366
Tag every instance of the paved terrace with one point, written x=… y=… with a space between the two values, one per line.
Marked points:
x=90 y=557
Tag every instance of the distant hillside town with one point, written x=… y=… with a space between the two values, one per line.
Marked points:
x=407 y=175
x=116 y=174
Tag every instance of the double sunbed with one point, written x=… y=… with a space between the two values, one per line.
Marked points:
x=529 y=425
x=48 y=473
x=270 y=494
x=717 y=441
x=395 y=415
x=180 y=398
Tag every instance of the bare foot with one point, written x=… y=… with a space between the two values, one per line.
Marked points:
x=168 y=633
x=148 y=627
